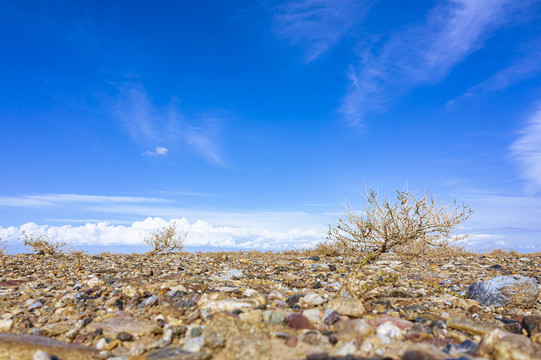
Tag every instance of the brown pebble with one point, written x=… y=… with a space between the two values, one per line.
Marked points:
x=298 y=321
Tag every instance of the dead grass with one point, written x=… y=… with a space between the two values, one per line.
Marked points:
x=40 y=244
x=166 y=240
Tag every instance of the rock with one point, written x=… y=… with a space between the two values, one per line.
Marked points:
x=532 y=324
x=23 y=347
x=153 y=300
x=471 y=327
x=176 y=353
x=113 y=326
x=314 y=258
x=347 y=306
x=423 y=351
x=456 y=350
x=298 y=321
x=293 y=299
x=330 y=317
x=388 y=332
x=124 y=336
x=41 y=355
x=401 y=323
x=194 y=345
x=35 y=305
x=274 y=317
x=501 y=345
x=313 y=315
x=311 y=299
x=5 y=325
x=505 y=291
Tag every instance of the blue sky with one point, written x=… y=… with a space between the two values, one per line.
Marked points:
x=249 y=123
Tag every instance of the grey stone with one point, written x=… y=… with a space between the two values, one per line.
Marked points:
x=505 y=291
x=23 y=347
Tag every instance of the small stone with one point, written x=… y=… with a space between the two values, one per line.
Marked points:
x=330 y=317
x=532 y=324
x=311 y=299
x=5 y=325
x=298 y=321
x=347 y=306
x=317 y=356
x=456 y=350
x=502 y=345
x=274 y=317
x=41 y=355
x=113 y=326
x=194 y=345
x=388 y=332
x=35 y=305
x=293 y=299
x=312 y=314
x=467 y=325
x=124 y=336
x=314 y=258
x=423 y=351
x=149 y=301
x=505 y=291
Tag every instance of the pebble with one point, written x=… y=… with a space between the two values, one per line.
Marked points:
x=347 y=306
x=298 y=321
x=264 y=307
x=311 y=299
x=505 y=291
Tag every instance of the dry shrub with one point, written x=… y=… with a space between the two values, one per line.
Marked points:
x=166 y=240
x=411 y=226
x=41 y=244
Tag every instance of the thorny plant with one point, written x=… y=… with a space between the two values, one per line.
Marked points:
x=41 y=244
x=166 y=240
x=411 y=226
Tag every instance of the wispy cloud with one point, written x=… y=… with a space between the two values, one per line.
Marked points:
x=63 y=199
x=526 y=151
x=424 y=53
x=158 y=151
x=528 y=66
x=317 y=25
x=148 y=123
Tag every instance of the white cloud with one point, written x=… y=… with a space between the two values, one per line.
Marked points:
x=63 y=199
x=317 y=25
x=422 y=54
x=158 y=151
x=146 y=122
x=526 y=151
x=200 y=233
x=528 y=66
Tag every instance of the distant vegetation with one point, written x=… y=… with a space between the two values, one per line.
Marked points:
x=166 y=240
x=41 y=244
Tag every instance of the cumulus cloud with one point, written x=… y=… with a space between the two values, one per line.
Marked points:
x=526 y=151
x=200 y=234
x=158 y=151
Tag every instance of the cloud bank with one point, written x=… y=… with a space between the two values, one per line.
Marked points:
x=200 y=234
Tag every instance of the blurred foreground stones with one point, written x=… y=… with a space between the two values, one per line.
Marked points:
x=250 y=305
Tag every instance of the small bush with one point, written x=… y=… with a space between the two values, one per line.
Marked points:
x=41 y=244
x=166 y=240
x=411 y=226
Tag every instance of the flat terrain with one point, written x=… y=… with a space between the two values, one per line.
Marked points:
x=251 y=305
